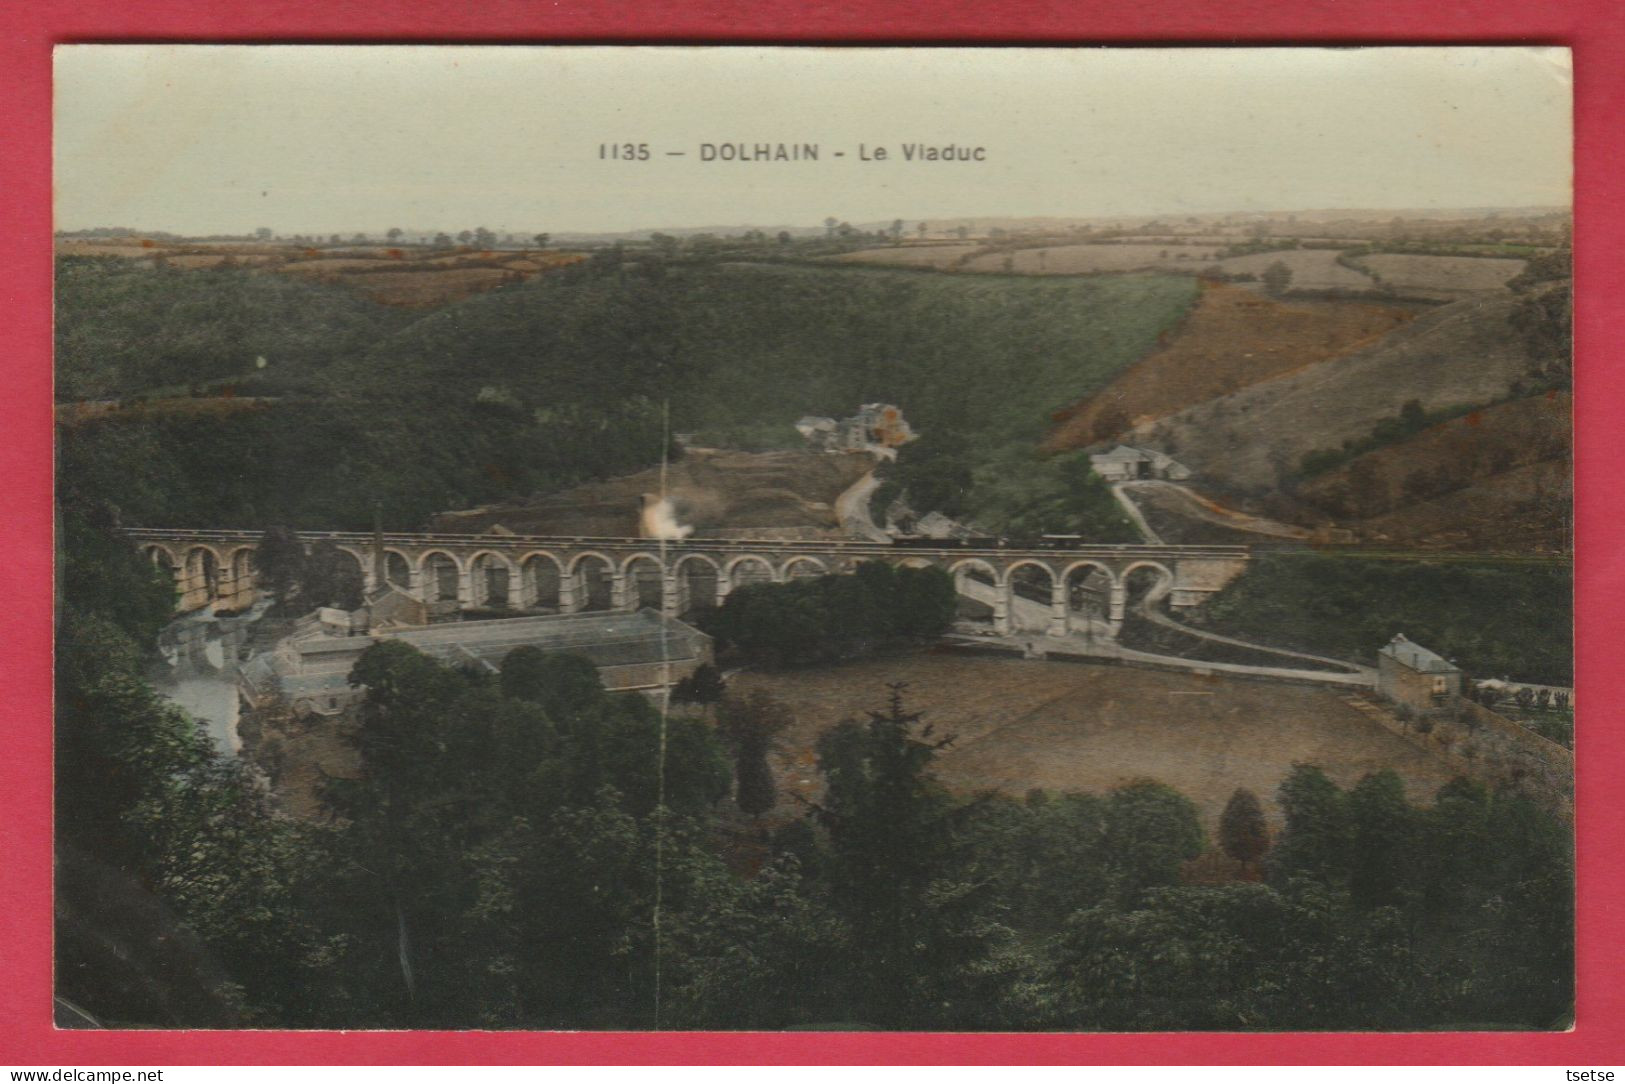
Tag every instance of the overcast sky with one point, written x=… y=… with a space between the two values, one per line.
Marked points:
x=223 y=139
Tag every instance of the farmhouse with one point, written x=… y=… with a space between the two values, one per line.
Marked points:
x=1410 y=674
x=1125 y=464
x=643 y=651
x=875 y=425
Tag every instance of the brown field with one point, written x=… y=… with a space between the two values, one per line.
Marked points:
x=1232 y=338
x=1442 y=277
x=1061 y=726
x=1255 y=439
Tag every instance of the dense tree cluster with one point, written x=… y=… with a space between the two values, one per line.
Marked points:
x=499 y=860
x=821 y=618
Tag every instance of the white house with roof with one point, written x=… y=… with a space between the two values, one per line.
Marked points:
x=1125 y=464
x=1410 y=674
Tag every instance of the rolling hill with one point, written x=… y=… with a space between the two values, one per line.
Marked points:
x=1461 y=354
x=1232 y=339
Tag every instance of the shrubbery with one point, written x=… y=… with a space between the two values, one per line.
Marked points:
x=1494 y=619
x=823 y=618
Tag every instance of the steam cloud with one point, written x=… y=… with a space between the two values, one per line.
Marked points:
x=660 y=519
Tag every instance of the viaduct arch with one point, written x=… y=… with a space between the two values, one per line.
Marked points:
x=1078 y=584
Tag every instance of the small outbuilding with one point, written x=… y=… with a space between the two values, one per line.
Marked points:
x=1410 y=674
x=1125 y=464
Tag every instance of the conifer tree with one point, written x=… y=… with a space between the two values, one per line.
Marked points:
x=1241 y=829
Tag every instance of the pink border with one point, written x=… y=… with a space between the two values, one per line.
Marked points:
x=1593 y=27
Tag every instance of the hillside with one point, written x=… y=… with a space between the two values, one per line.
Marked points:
x=1524 y=510
x=1478 y=475
x=1233 y=338
x=743 y=350
x=1255 y=439
x=125 y=328
x=714 y=492
x=539 y=386
x=1503 y=619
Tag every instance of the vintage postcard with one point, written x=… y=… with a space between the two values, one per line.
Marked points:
x=730 y=538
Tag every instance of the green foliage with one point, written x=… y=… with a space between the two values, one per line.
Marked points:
x=1242 y=832
x=704 y=686
x=1545 y=320
x=1020 y=496
x=922 y=930
x=934 y=473
x=751 y=725
x=1277 y=277
x=1380 y=833
x=1150 y=831
x=1553 y=266
x=563 y=684
x=764 y=953
x=1493 y=618
x=1410 y=420
x=829 y=617
x=279 y=565
x=101 y=573
x=1234 y=957
x=139 y=788
x=123 y=329
x=529 y=389
x=1315 y=842
x=321 y=465
x=331 y=577
x=753 y=344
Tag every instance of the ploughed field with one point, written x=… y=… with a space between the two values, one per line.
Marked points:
x=1059 y=726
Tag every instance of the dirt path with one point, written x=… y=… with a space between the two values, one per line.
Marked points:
x=1157 y=617
x=1201 y=508
x=1134 y=513
x=1031 y=621
x=852 y=509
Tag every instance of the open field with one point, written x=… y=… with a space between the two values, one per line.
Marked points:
x=1060 y=727
x=1443 y=277
x=1312 y=269
x=1232 y=338
x=1093 y=259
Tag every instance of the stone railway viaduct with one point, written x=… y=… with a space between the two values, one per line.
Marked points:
x=451 y=573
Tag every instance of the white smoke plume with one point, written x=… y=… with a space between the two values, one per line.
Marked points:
x=660 y=519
